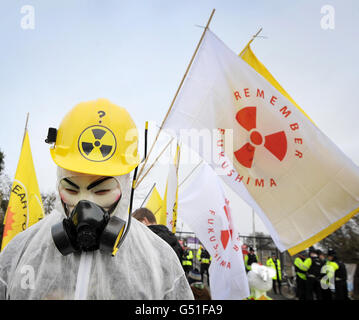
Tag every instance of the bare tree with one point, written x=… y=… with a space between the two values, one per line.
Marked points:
x=48 y=201
x=345 y=241
x=2 y=156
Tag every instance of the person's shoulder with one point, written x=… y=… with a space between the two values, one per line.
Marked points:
x=159 y=228
x=147 y=237
x=163 y=232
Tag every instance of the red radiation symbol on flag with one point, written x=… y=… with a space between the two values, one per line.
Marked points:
x=226 y=234
x=275 y=143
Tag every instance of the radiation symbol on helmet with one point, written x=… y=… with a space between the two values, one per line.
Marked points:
x=97 y=143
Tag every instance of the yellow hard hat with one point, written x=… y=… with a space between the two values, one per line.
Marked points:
x=97 y=137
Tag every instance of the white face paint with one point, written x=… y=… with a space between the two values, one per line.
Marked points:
x=104 y=191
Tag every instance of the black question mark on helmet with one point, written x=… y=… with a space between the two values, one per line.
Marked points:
x=101 y=114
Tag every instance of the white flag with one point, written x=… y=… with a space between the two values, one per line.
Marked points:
x=268 y=151
x=204 y=207
x=171 y=193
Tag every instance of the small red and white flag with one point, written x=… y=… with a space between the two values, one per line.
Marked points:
x=205 y=208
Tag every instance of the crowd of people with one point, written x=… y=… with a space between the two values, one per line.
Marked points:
x=318 y=276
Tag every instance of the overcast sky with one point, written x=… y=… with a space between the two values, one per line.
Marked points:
x=135 y=53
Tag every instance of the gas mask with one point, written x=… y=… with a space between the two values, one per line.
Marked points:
x=88 y=202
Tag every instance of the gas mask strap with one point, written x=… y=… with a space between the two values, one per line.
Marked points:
x=113 y=206
x=131 y=197
x=65 y=208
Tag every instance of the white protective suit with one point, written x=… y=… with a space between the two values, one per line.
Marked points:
x=145 y=266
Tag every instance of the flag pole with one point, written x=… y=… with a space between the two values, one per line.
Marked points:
x=254 y=231
x=250 y=41
x=147 y=195
x=154 y=162
x=178 y=90
x=178 y=158
x=157 y=210
x=190 y=173
x=26 y=122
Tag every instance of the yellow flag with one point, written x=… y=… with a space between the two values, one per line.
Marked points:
x=248 y=56
x=25 y=205
x=155 y=205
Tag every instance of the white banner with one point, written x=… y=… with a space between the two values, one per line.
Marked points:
x=204 y=207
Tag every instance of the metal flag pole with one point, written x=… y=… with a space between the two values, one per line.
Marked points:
x=176 y=94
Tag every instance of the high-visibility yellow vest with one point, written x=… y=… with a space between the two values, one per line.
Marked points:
x=187 y=261
x=301 y=268
x=334 y=266
x=329 y=269
x=270 y=263
x=248 y=267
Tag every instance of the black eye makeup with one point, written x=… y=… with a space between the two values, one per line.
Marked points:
x=71 y=183
x=100 y=187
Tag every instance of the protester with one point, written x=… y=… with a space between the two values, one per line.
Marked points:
x=87 y=248
x=301 y=278
x=148 y=218
x=250 y=258
x=314 y=265
x=275 y=264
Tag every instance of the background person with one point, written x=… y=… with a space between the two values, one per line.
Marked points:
x=314 y=264
x=339 y=275
x=250 y=258
x=205 y=260
x=187 y=259
x=301 y=277
x=146 y=216
x=275 y=264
